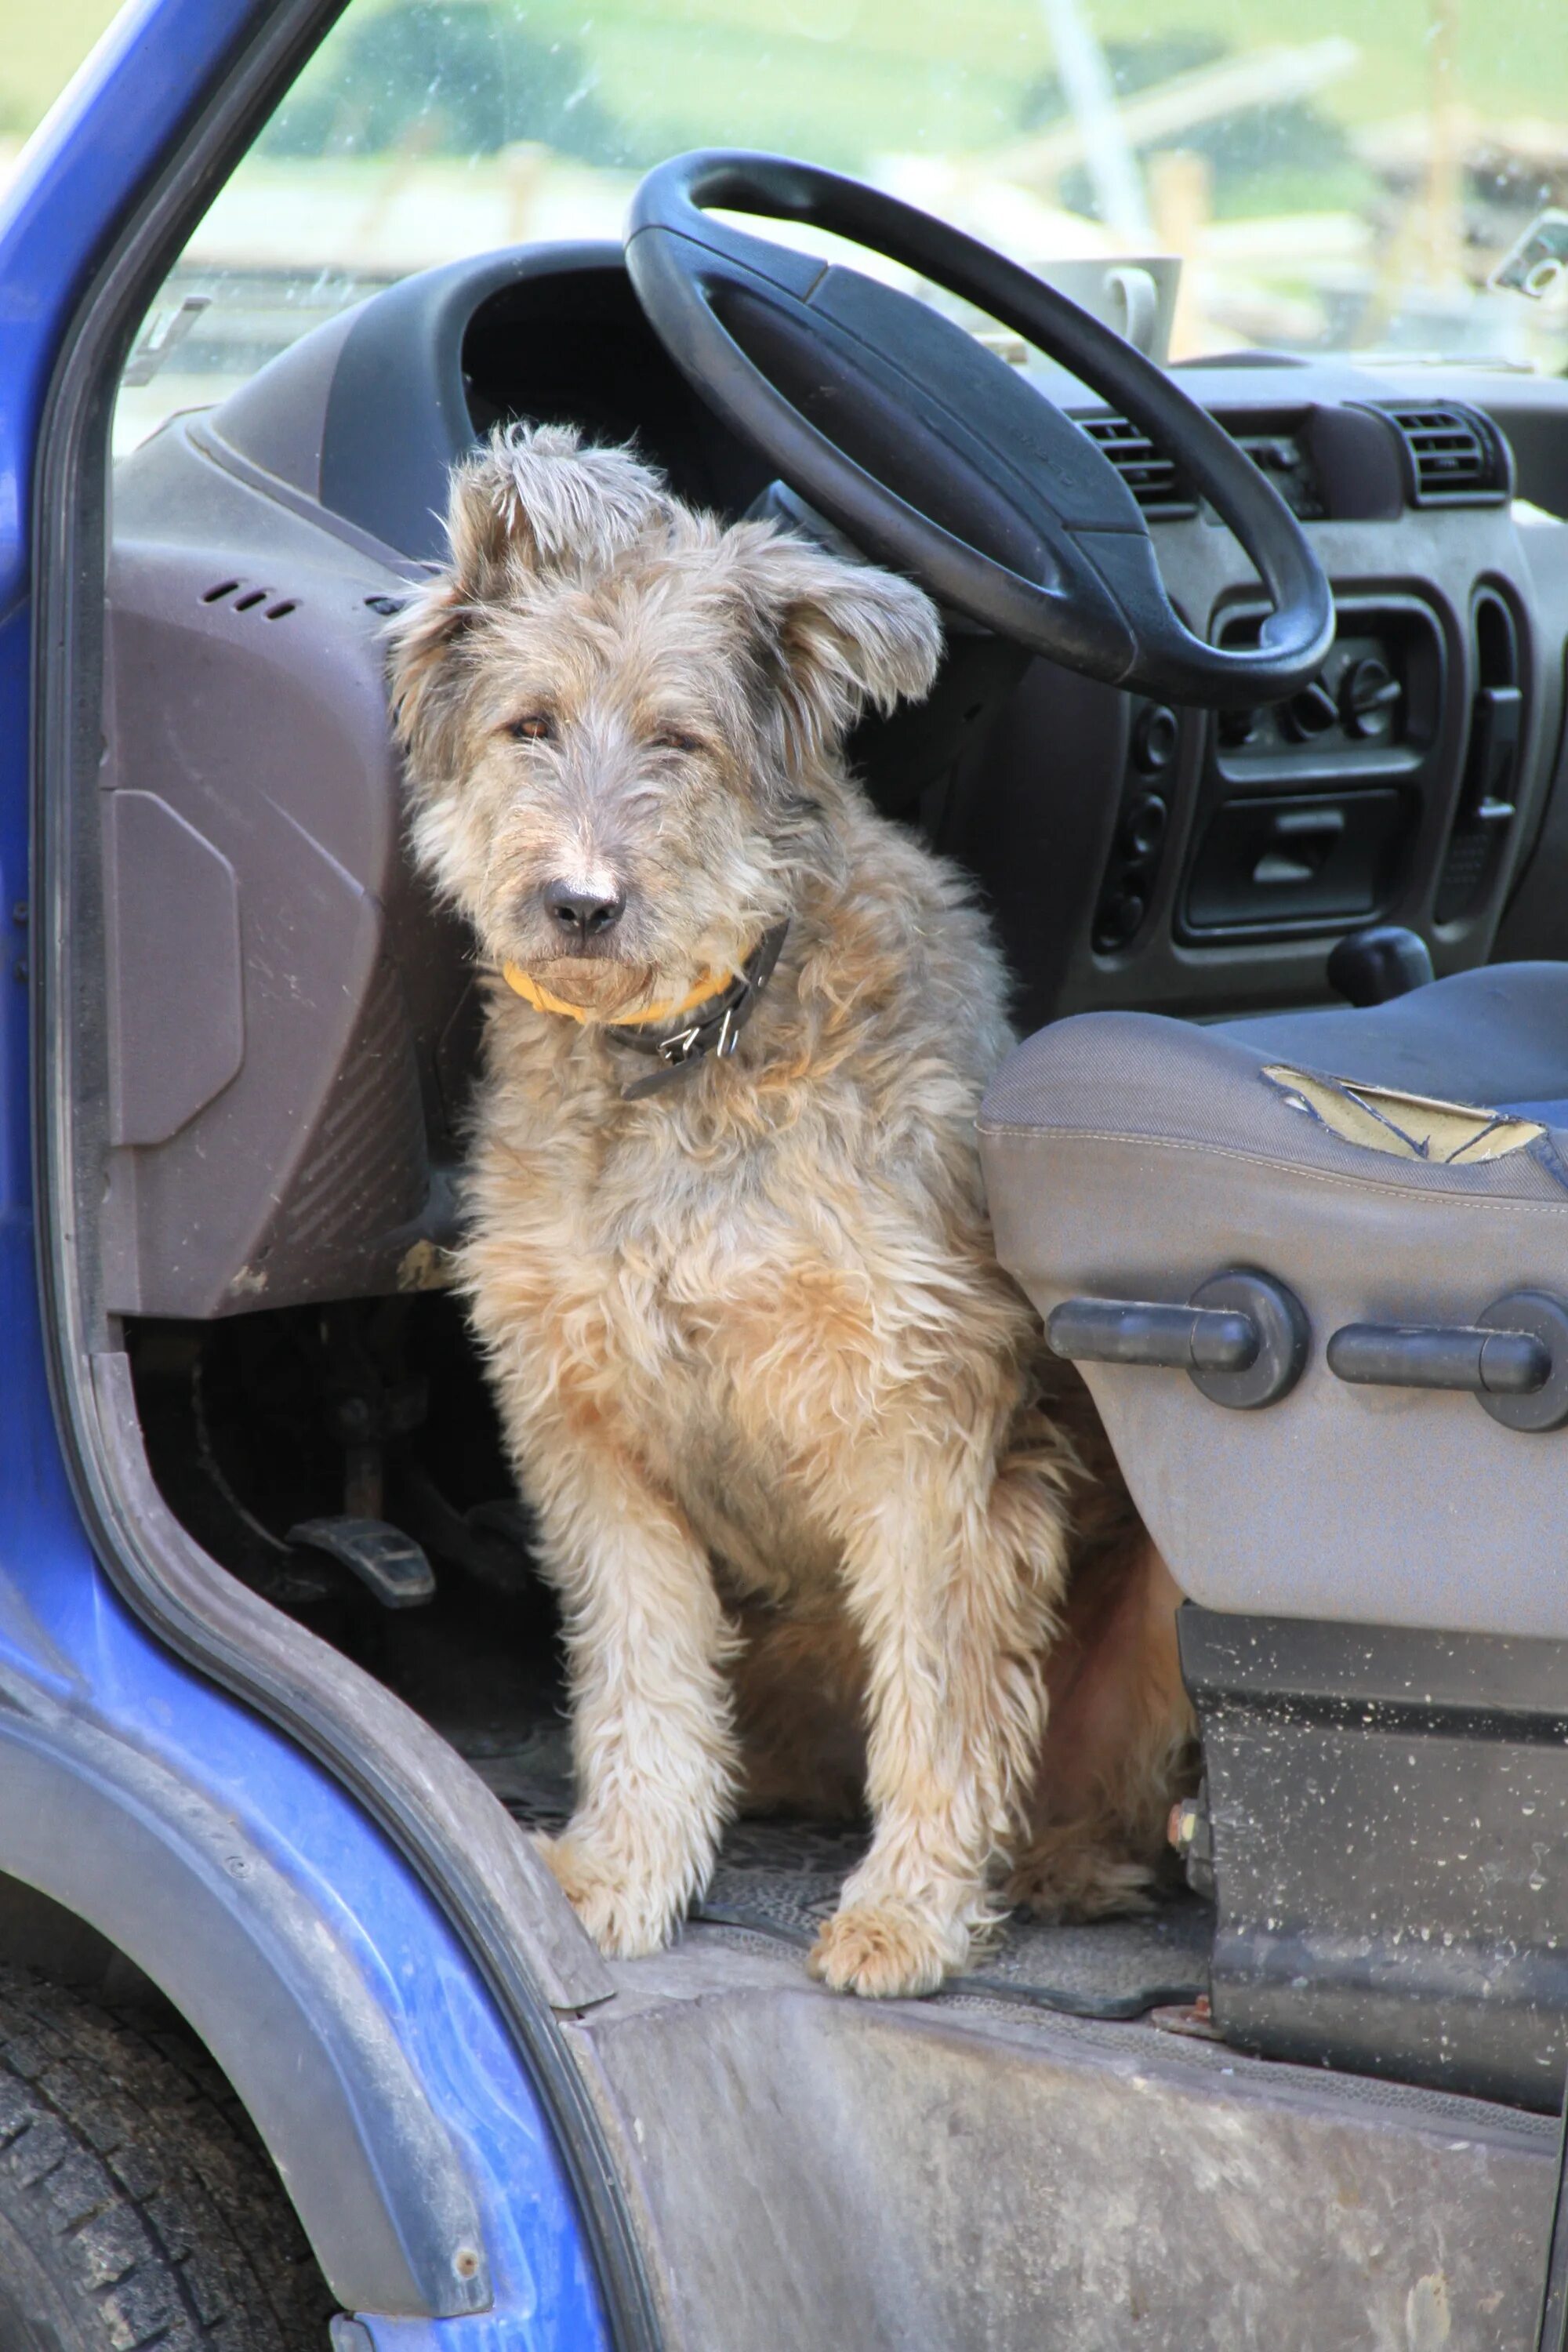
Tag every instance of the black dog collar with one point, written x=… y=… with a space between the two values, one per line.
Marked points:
x=715 y=1030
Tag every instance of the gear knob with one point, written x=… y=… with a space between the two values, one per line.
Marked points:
x=1386 y=960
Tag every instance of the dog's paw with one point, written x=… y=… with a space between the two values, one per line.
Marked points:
x=887 y=1949
x=628 y=1917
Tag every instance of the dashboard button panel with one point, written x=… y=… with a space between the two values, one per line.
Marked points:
x=1308 y=812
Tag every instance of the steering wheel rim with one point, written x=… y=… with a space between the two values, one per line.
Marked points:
x=716 y=297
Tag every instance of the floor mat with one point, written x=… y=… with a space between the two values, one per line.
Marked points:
x=781 y=1878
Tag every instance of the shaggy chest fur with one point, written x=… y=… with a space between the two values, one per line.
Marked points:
x=732 y=1275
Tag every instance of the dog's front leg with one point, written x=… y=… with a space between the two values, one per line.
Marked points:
x=951 y=1587
x=647 y=1640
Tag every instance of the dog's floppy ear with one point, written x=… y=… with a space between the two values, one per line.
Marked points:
x=836 y=637
x=532 y=502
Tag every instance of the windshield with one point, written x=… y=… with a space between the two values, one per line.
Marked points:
x=1343 y=176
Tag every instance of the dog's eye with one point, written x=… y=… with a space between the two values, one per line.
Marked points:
x=674 y=739
x=534 y=727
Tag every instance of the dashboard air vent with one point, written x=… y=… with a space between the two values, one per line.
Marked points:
x=1455 y=456
x=1153 y=480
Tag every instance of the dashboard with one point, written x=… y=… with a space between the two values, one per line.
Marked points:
x=296 y=1140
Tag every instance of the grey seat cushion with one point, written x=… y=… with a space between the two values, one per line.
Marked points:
x=1494 y=1039
x=1132 y=1156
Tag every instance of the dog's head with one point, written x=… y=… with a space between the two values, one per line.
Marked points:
x=621 y=718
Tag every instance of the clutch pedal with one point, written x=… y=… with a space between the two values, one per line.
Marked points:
x=388 y=1563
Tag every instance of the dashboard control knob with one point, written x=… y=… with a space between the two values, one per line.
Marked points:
x=1237 y=727
x=1144 y=827
x=1156 y=734
x=1119 y=920
x=1311 y=712
x=1370 y=695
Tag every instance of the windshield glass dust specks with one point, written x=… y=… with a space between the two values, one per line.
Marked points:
x=1342 y=176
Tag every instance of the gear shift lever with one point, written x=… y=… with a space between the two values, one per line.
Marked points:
x=1371 y=966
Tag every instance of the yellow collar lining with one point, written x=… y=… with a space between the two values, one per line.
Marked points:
x=711 y=984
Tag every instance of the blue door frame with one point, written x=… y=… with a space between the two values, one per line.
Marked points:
x=71 y=1653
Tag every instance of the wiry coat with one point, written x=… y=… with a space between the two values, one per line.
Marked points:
x=764 y=1382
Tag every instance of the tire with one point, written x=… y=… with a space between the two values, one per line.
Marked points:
x=137 y=2206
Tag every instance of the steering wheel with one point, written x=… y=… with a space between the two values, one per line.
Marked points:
x=933 y=455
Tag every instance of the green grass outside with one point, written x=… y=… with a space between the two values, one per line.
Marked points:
x=865 y=75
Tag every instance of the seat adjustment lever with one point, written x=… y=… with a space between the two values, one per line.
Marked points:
x=1439 y=1356
x=1513 y=1360
x=1241 y=1338
x=1139 y=1331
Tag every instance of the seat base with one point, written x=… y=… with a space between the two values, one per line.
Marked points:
x=1385 y=1817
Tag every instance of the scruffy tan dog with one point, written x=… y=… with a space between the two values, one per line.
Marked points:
x=764 y=1384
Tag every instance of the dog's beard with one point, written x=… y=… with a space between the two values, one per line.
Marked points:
x=609 y=987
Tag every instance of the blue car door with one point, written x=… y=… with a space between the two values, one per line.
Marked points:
x=406 y=2074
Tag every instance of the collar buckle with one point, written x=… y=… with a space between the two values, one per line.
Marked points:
x=677 y=1051
x=716 y=1032
x=728 y=1036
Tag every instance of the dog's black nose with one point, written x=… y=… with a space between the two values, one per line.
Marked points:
x=583 y=912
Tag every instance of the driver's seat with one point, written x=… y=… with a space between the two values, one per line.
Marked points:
x=1398 y=1176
